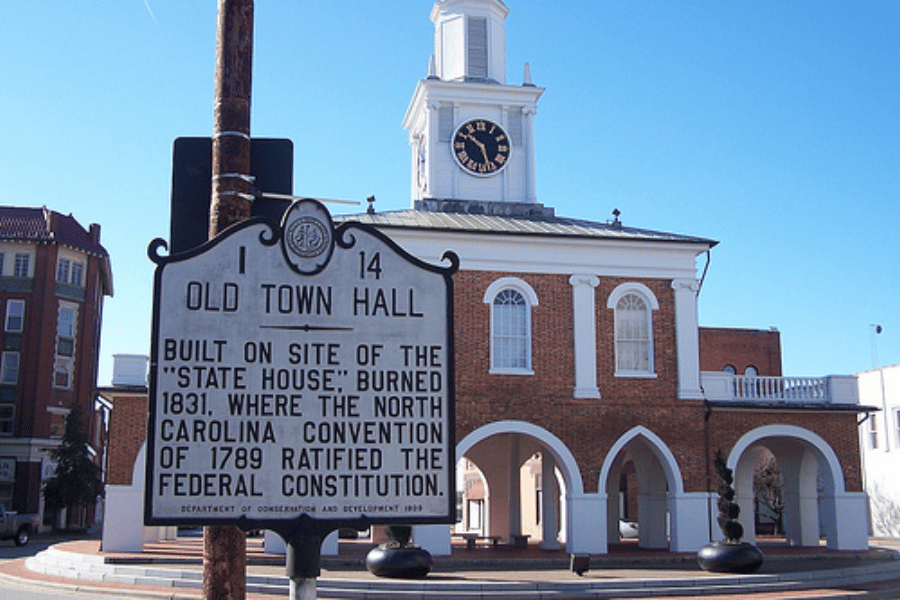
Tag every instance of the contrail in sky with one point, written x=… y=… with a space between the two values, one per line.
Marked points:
x=150 y=10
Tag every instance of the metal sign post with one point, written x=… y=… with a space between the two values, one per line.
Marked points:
x=301 y=381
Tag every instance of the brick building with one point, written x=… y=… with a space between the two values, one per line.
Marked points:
x=54 y=275
x=578 y=342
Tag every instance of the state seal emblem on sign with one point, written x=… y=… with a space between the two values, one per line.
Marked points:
x=307 y=236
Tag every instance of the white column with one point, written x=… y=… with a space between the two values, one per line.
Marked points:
x=850 y=521
x=515 y=490
x=123 y=523
x=530 y=191
x=586 y=526
x=745 y=497
x=585 y=332
x=549 y=503
x=689 y=520
x=687 y=338
x=432 y=140
x=434 y=538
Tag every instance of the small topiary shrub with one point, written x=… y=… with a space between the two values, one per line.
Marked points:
x=729 y=511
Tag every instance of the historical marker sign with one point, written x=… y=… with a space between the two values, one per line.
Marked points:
x=300 y=369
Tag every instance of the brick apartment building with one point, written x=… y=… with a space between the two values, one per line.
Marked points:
x=578 y=343
x=54 y=275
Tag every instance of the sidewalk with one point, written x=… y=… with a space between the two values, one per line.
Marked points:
x=174 y=570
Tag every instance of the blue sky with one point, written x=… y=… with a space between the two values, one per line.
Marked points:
x=771 y=126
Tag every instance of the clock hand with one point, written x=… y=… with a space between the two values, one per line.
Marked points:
x=480 y=145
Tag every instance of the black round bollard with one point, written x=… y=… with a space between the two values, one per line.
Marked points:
x=408 y=562
x=722 y=557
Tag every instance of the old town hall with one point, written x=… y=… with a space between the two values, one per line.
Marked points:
x=580 y=397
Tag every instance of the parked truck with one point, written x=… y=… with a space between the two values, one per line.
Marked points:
x=16 y=527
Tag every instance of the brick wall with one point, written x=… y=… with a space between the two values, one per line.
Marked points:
x=587 y=427
x=127 y=433
x=741 y=348
x=590 y=427
x=838 y=429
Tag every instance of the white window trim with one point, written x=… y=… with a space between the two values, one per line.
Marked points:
x=633 y=287
x=28 y=259
x=531 y=300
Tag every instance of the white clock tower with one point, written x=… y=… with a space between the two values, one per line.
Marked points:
x=472 y=135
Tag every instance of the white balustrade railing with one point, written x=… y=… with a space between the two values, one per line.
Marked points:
x=832 y=389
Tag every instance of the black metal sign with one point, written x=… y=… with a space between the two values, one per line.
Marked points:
x=300 y=370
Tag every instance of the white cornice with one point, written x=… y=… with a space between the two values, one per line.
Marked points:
x=475 y=94
x=545 y=254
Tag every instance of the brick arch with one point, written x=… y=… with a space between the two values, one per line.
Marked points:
x=810 y=510
x=565 y=461
x=659 y=449
x=822 y=449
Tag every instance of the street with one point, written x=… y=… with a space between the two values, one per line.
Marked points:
x=13 y=591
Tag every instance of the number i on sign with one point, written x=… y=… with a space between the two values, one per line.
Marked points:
x=369 y=266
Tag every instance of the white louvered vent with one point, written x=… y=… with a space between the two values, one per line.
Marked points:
x=445 y=123
x=477 y=47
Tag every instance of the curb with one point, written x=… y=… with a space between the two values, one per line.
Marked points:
x=99 y=570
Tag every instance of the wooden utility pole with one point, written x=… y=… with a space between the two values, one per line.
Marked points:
x=225 y=547
x=231 y=184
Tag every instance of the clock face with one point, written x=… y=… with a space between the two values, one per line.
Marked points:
x=481 y=147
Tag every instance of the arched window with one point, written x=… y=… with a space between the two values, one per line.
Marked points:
x=633 y=304
x=511 y=300
x=632 y=334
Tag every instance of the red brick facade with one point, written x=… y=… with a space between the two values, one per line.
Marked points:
x=740 y=348
x=589 y=427
x=68 y=272
x=127 y=433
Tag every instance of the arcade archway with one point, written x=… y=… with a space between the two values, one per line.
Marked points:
x=500 y=450
x=658 y=485
x=816 y=503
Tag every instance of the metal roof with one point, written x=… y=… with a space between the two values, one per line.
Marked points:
x=551 y=226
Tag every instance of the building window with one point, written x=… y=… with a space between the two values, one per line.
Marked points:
x=77 y=274
x=632 y=334
x=511 y=302
x=69 y=271
x=22 y=266
x=9 y=368
x=897 y=424
x=64 y=364
x=511 y=339
x=730 y=370
x=57 y=421
x=2 y=257
x=15 y=315
x=7 y=419
x=873 y=431
x=633 y=304
x=62 y=270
